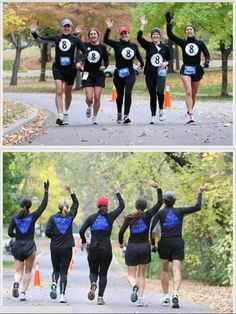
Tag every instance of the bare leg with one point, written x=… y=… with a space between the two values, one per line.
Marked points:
x=97 y=99
x=165 y=275
x=89 y=91
x=176 y=274
x=28 y=269
x=19 y=266
x=68 y=96
x=195 y=86
x=59 y=96
x=132 y=270
x=188 y=92
x=141 y=279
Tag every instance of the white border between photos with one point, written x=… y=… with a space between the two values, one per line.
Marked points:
x=38 y=309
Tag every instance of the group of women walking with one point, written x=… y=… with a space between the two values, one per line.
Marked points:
x=94 y=60
x=137 y=255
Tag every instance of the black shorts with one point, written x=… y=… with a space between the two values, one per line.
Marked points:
x=22 y=249
x=65 y=74
x=194 y=77
x=137 y=253
x=171 y=249
x=94 y=79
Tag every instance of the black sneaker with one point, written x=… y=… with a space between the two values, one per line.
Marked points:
x=53 y=293
x=119 y=118
x=126 y=119
x=15 y=291
x=134 y=296
x=91 y=294
x=60 y=119
x=175 y=301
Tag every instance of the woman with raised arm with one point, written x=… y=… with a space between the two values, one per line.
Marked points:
x=157 y=59
x=100 y=250
x=124 y=76
x=59 y=230
x=191 y=71
x=22 y=228
x=138 y=251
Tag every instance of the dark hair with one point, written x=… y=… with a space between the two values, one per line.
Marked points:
x=93 y=29
x=25 y=205
x=102 y=209
x=141 y=205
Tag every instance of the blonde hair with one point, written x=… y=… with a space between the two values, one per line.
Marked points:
x=63 y=207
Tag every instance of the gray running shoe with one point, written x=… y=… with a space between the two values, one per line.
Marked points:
x=100 y=301
x=88 y=112
x=140 y=303
x=119 y=118
x=91 y=294
x=134 y=296
x=66 y=118
x=53 y=293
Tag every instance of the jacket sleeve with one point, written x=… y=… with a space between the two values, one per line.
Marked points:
x=37 y=213
x=105 y=57
x=84 y=227
x=11 y=228
x=152 y=211
x=74 y=206
x=139 y=57
x=116 y=212
x=39 y=38
x=143 y=42
x=122 y=231
x=49 y=228
x=178 y=41
x=195 y=208
x=205 y=53
x=108 y=41
x=81 y=46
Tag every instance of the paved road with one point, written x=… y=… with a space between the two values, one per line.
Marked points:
x=213 y=124
x=116 y=295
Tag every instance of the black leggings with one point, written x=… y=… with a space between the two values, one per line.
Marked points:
x=60 y=262
x=122 y=84
x=156 y=86
x=99 y=261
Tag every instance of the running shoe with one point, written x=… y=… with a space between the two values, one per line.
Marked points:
x=100 y=301
x=140 y=303
x=119 y=118
x=22 y=296
x=15 y=291
x=134 y=296
x=60 y=119
x=165 y=300
x=94 y=120
x=63 y=298
x=126 y=119
x=53 y=293
x=190 y=119
x=175 y=300
x=66 y=118
x=91 y=294
x=161 y=115
x=88 y=112
x=153 y=120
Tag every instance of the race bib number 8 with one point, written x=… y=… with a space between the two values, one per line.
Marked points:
x=156 y=60
x=191 y=49
x=127 y=53
x=93 y=56
x=64 y=44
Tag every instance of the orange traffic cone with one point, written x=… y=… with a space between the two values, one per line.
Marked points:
x=36 y=276
x=113 y=94
x=167 y=101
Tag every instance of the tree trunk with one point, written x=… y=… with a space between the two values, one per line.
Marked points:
x=177 y=67
x=27 y=178
x=224 y=56
x=44 y=49
x=171 y=64
x=16 y=64
x=78 y=81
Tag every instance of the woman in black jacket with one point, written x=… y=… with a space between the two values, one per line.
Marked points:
x=22 y=227
x=59 y=230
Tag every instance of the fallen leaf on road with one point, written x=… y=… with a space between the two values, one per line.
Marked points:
x=207 y=140
x=143 y=134
x=84 y=141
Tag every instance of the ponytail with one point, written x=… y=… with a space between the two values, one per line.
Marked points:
x=131 y=219
x=25 y=205
x=22 y=212
x=63 y=207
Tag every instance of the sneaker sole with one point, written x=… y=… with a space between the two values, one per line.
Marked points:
x=127 y=121
x=175 y=302
x=53 y=295
x=63 y=301
x=91 y=294
x=15 y=291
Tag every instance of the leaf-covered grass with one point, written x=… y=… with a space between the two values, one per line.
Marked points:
x=8 y=265
x=210 y=87
x=13 y=111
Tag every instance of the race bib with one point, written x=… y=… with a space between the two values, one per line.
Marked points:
x=93 y=56
x=191 y=49
x=64 y=61
x=156 y=60
x=85 y=75
x=64 y=44
x=161 y=72
x=189 y=70
x=127 y=53
x=123 y=72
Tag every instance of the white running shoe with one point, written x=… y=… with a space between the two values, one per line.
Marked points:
x=89 y=112
x=161 y=115
x=165 y=300
x=63 y=298
x=175 y=300
x=140 y=302
x=153 y=120
x=22 y=296
x=100 y=301
x=190 y=119
x=66 y=118
x=60 y=119
x=94 y=120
